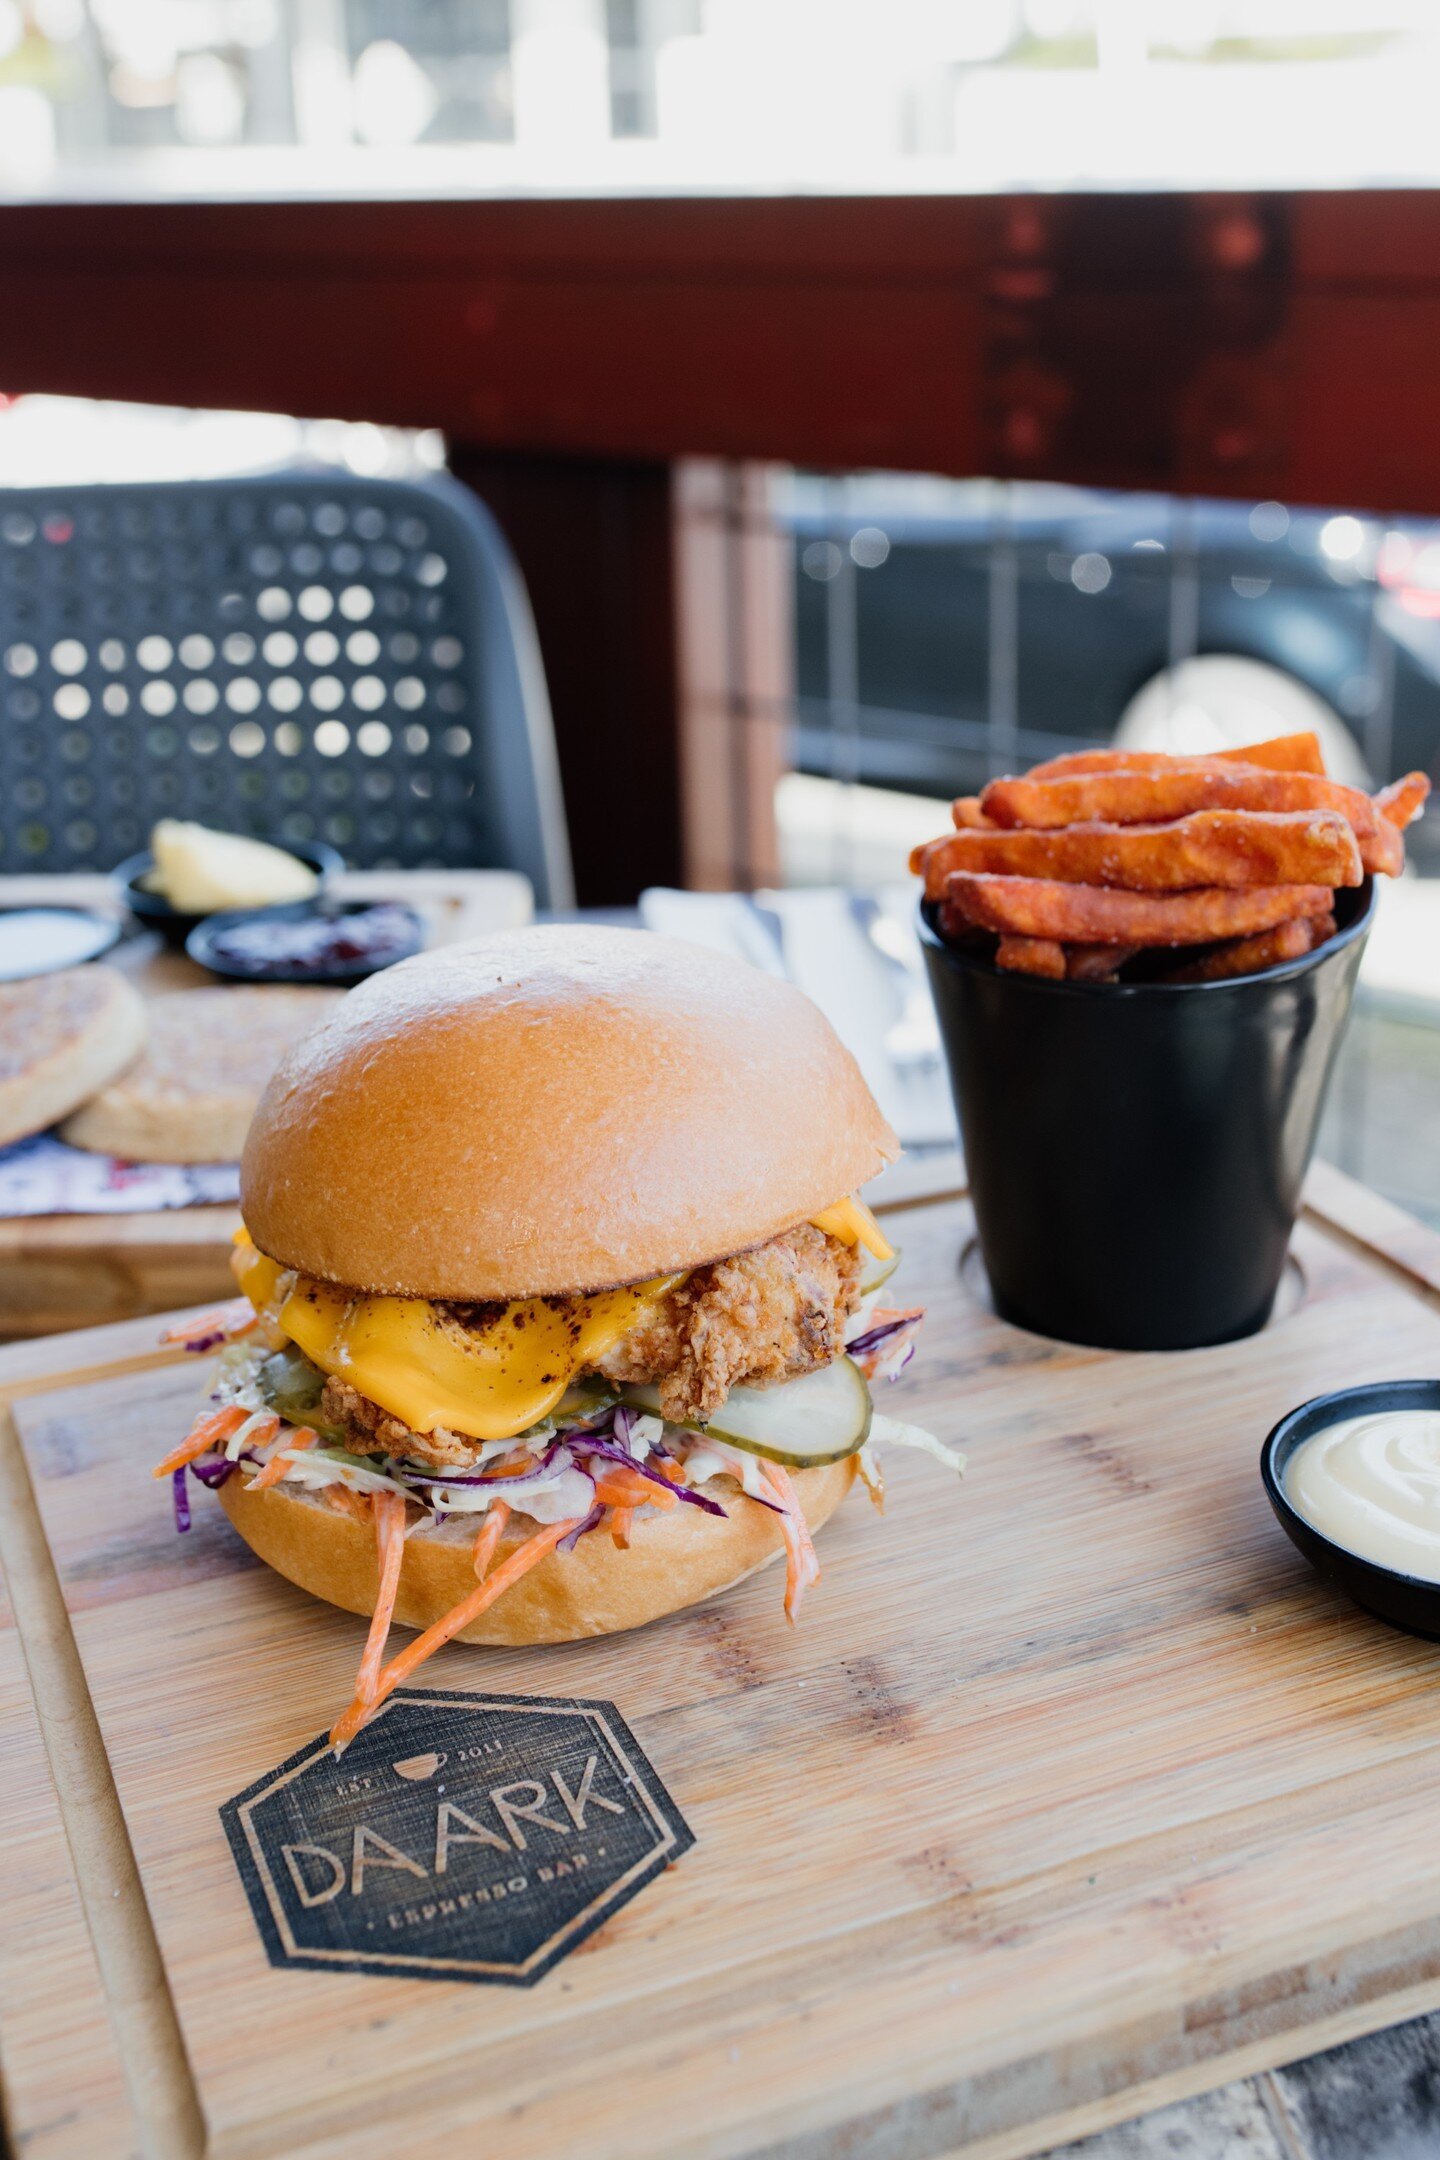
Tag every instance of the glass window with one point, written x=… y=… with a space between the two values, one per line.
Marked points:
x=232 y=96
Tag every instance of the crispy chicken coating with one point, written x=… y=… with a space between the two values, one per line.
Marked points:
x=369 y=1430
x=751 y=1321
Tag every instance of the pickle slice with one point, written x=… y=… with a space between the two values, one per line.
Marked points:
x=876 y=1273
x=583 y=1398
x=292 y=1386
x=820 y=1418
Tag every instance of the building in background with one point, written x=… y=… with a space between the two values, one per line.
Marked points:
x=238 y=95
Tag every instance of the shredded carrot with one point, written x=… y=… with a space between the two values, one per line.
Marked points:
x=620 y=1521
x=496 y=1517
x=518 y=1459
x=339 y=1496
x=480 y=1599
x=669 y=1468
x=883 y=1315
x=262 y=1435
x=272 y=1472
x=802 y=1563
x=228 y=1321
x=208 y=1431
x=389 y=1511
x=623 y=1488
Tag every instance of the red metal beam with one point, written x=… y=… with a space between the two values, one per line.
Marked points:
x=1278 y=344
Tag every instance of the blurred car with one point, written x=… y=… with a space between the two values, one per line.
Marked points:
x=1289 y=619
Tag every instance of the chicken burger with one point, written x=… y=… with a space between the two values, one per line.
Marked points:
x=560 y=1312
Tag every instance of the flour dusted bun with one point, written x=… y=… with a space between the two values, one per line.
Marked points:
x=553 y=1110
x=190 y=1097
x=674 y=1559
x=62 y=1037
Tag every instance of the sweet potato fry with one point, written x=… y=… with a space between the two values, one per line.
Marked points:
x=1198 y=869
x=1032 y=956
x=1211 y=847
x=1384 y=849
x=1096 y=963
x=1249 y=955
x=1401 y=803
x=1283 y=753
x=1095 y=915
x=931 y=860
x=1155 y=798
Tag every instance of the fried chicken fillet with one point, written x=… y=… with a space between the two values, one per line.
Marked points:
x=753 y=1320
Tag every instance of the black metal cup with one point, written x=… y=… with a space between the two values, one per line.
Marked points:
x=1135 y=1151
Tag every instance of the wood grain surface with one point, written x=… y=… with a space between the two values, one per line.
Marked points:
x=83 y=2001
x=59 y=2060
x=1073 y=1791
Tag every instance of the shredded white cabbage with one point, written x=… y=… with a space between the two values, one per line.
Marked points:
x=316 y=1467
x=241 y=1435
x=860 y=1321
x=709 y=1457
x=567 y=1491
x=537 y=1439
x=889 y=1432
x=646 y=1433
x=235 y=1374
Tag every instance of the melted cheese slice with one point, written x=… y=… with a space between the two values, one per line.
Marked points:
x=256 y=1273
x=853 y=1224
x=488 y=1382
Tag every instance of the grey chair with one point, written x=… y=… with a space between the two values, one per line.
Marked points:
x=298 y=655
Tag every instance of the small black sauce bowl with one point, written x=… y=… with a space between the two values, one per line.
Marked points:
x=1405 y=1601
x=204 y=938
x=155 y=912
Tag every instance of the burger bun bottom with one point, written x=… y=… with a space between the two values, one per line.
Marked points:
x=674 y=1559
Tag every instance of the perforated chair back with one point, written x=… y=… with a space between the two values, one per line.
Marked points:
x=296 y=655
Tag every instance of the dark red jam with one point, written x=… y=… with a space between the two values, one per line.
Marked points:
x=364 y=938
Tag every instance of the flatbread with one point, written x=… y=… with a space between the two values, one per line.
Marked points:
x=191 y=1096
x=62 y=1036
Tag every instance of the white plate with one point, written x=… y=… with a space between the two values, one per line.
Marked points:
x=36 y=941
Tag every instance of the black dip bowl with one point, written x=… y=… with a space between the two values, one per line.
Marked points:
x=1406 y=1601
x=334 y=942
x=155 y=912
x=1136 y=1150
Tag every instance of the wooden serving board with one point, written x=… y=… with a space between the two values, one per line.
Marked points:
x=61 y=2064
x=1073 y=1791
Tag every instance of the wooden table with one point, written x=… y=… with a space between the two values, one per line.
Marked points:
x=72 y=1271
x=1095 y=1797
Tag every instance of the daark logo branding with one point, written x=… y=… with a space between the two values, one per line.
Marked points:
x=459 y=1837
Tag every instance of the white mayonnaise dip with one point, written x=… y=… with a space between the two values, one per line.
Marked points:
x=1372 y=1484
